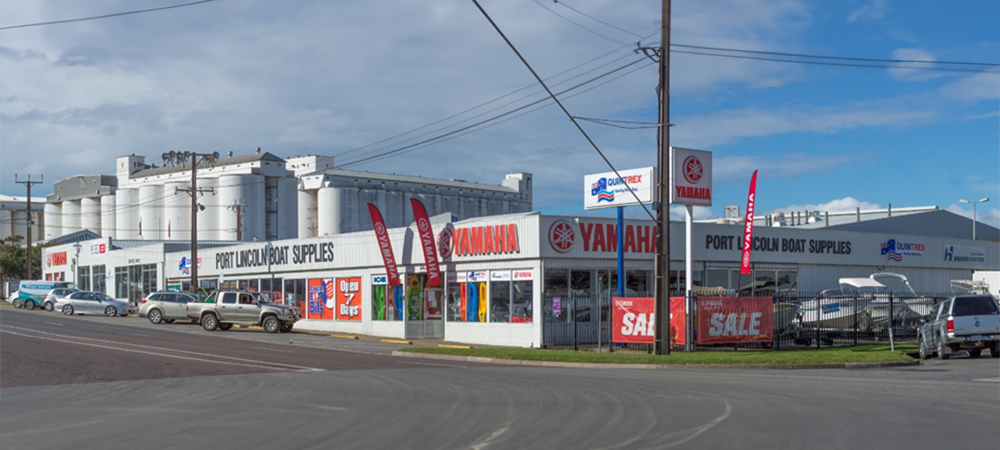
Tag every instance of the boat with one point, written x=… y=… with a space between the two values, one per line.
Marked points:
x=899 y=287
x=960 y=287
x=838 y=308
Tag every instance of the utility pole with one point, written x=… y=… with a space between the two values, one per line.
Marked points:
x=662 y=283
x=27 y=216
x=194 y=191
x=240 y=209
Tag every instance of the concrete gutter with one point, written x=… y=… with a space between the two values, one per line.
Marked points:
x=515 y=362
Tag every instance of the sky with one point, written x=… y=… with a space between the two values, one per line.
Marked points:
x=431 y=89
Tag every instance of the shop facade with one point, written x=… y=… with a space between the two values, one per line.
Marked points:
x=503 y=276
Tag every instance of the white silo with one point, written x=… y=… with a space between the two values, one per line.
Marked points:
x=90 y=214
x=328 y=203
x=108 y=216
x=70 y=216
x=230 y=189
x=208 y=218
x=127 y=213
x=307 y=213
x=151 y=211
x=53 y=220
x=176 y=211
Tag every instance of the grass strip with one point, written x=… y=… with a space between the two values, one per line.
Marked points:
x=877 y=353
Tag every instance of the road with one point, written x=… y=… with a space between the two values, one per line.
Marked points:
x=122 y=383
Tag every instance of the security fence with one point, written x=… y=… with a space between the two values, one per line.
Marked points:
x=800 y=319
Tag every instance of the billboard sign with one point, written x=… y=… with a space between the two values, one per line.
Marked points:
x=691 y=183
x=606 y=190
x=730 y=320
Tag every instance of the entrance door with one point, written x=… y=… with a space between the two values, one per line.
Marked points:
x=433 y=311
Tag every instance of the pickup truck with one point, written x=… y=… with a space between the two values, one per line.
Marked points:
x=223 y=309
x=962 y=322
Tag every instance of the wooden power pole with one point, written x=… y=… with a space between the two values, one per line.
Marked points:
x=194 y=191
x=662 y=265
x=28 y=219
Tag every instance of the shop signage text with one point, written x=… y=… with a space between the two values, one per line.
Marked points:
x=485 y=240
x=783 y=245
x=276 y=256
x=57 y=259
x=895 y=251
x=599 y=237
x=964 y=253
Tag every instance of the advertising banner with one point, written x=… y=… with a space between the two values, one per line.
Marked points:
x=384 y=245
x=964 y=253
x=348 y=298
x=605 y=190
x=427 y=243
x=748 y=227
x=730 y=320
x=321 y=298
x=634 y=320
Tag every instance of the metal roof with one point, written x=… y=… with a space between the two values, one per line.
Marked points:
x=242 y=159
x=168 y=245
x=383 y=177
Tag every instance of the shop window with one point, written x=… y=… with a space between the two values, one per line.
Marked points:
x=295 y=293
x=521 y=301
x=121 y=283
x=100 y=278
x=556 y=282
x=83 y=278
x=788 y=283
x=500 y=301
x=387 y=300
x=638 y=282
x=454 y=300
x=415 y=296
x=580 y=283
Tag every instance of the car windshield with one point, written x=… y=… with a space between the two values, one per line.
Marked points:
x=262 y=298
x=103 y=296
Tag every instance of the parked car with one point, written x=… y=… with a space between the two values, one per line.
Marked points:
x=53 y=297
x=90 y=302
x=31 y=293
x=13 y=300
x=166 y=307
x=962 y=322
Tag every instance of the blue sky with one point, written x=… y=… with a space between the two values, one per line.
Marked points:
x=346 y=78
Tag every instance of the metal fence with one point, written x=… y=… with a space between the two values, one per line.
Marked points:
x=801 y=319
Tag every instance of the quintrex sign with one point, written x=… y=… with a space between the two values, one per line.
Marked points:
x=783 y=245
x=275 y=255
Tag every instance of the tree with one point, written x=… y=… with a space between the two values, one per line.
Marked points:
x=12 y=258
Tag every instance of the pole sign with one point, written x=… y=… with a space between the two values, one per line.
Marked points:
x=606 y=190
x=691 y=183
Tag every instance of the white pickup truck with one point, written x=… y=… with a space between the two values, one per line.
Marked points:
x=962 y=322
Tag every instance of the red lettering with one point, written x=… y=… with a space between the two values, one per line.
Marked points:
x=488 y=240
x=645 y=237
x=612 y=238
x=630 y=238
x=477 y=240
x=500 y=241
x=512 y=239
x=599 y=244
x=462 y=241
x=585 y=229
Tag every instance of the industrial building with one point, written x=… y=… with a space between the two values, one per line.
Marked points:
x=259 y=197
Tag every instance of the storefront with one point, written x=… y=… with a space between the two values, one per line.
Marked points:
x=503 y=274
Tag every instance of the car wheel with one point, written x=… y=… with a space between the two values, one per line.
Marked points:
x=209 y=322
x=941 y=354
x=924 y=354
x=110 y=311
x=68 y=310
x=29 y=305
x=974 y=353
x=17 y=303
x=225 y=326
x=155 y=316
x=271 y=324
x=168 y=320
x=49 y=307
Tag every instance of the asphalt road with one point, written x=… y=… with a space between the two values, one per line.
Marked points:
x=114 y=383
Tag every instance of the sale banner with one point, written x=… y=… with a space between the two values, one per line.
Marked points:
x=633 y=320
x=730 y=320
x=348 y=298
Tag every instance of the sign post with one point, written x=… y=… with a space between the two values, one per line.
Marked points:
x=690 y=185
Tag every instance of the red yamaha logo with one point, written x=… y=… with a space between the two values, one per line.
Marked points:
x=561 y=236
x=693 y=169
x=444 y=243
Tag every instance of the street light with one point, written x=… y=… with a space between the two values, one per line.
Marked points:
x=984 y=200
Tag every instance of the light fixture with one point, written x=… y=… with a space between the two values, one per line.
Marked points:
x=974 y=202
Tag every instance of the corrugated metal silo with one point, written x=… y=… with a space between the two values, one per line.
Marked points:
x=53 y=220
x=151 y=211
x=329 y=207
x=177 y=211
x=307 y=213
x=108 y=216
x=71 y=216
x=208 y=219
x=90 y=214
x=127 y=213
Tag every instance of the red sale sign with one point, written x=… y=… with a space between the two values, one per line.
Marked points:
x=729 y=320
x=634 y=320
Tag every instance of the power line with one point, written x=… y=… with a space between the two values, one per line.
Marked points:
x=574 y=23
x=54 y=22
x=845 y=58
x=595 y=19
x=817 y=63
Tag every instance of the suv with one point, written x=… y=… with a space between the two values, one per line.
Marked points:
x=222 y=309
x=165 y=307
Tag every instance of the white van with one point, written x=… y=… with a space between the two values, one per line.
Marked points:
x=31 y=293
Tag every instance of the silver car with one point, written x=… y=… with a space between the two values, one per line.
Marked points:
x=51 y=302
x=90 y=302
x=165 y=307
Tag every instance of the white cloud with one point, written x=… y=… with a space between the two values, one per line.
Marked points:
x=838 y=205
x=911 y=71
x=875 y=10
x=981 y=86
x=726 y=126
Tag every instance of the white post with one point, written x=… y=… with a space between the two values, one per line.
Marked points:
x=688 y=332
